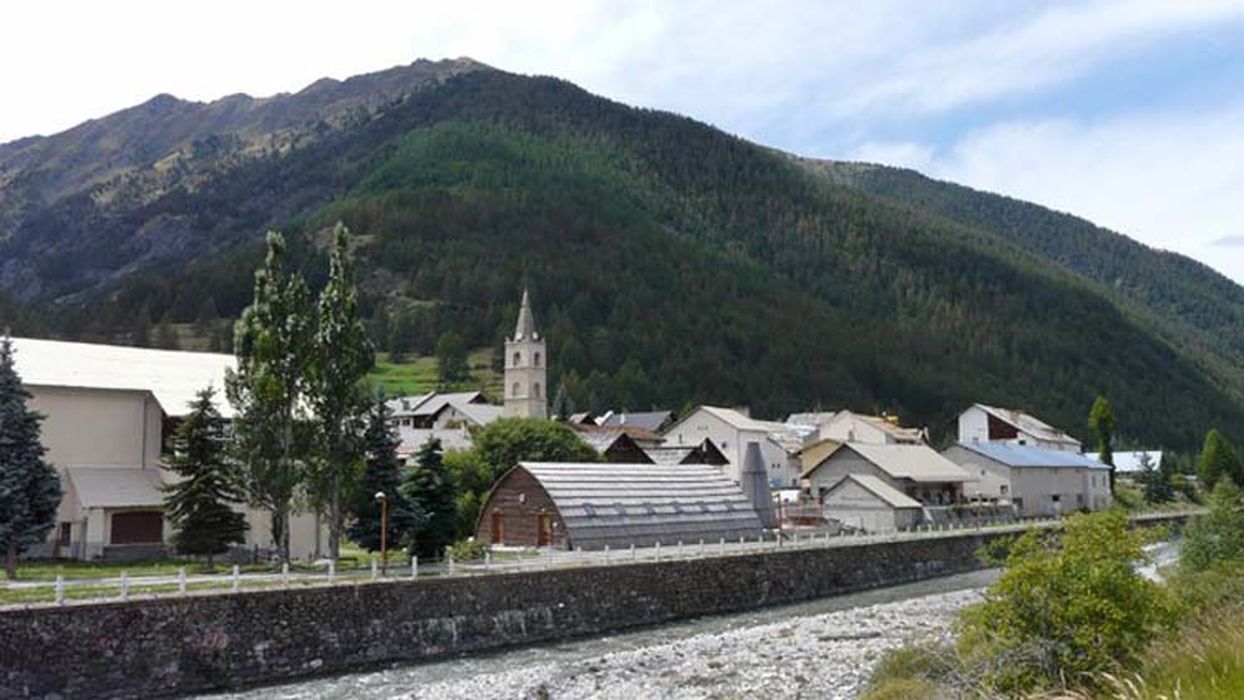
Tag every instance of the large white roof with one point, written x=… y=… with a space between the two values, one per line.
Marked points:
x=174 y=378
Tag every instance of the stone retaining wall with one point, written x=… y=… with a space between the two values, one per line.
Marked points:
x=199 y=643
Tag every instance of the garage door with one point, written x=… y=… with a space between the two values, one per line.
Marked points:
x=138 y=527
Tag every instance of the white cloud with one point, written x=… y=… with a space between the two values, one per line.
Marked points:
x=1170 y=180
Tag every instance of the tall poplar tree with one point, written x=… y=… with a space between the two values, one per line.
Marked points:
x=198 y=503
x=30 y=489
x=383 y=472
x=1101 y=422
x=273 y=341
x=338 y=390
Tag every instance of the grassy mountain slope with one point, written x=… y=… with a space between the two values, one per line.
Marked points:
x=671 y=263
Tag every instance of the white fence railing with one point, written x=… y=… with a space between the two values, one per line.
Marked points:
x=63 y=591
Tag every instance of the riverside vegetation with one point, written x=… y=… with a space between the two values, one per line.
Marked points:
x=1071 y=616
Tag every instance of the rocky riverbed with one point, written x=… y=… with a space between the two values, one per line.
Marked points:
x=823 y=649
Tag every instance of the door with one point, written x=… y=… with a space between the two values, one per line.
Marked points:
x=498 y=528
x=139 y=527
x=544 y=530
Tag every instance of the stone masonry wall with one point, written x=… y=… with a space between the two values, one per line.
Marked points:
x=199 y=643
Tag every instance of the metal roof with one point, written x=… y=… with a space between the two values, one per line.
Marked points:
x=1028 y=456
x=916 y=462
x=623 y=504
x=880 y=489
x=1029 y=424
x=173 y=377
x=116 y=487
x=414 y=438
x=1130 y=462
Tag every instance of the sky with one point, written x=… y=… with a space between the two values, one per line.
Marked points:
x=1130 y=114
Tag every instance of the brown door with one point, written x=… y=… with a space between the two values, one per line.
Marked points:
x=140 y=527
x=544 y=530
x=498 y=528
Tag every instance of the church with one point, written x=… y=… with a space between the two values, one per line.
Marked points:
x=526 y=368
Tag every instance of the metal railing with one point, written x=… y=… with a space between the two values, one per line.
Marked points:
x=67 y=591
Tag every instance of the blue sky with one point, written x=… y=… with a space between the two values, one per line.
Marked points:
x=1130 y=114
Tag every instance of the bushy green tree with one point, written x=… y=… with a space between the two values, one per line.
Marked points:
x=1066 y=607
x=30 y=490
x=382 y=473
x=502 y=444
x=430 y=486
x=1101 y=422
x=342 y=357
x=1218 y=460
x=1217 y=537
x=273 y=341
x=198 y=503
x=1157 y=480
x=451 y=359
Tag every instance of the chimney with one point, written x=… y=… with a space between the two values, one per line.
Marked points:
x=756 y=485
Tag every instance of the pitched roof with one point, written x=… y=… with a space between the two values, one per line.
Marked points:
x=116 y=487
x=678 y=454
x=525 y=328
x=880 y=489
x=1021 y=456
x=1130 y=462
x=402 y=406
x=741 y=422
x=1029 y=424
x=623 y=504
x=451 y=439
x=900 y=434
x=647 y=420
x=919 y=463
x=173 y=377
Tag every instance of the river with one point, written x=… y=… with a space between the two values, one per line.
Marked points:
x=823 y=649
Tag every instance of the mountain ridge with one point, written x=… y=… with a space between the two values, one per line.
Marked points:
x=731 y=273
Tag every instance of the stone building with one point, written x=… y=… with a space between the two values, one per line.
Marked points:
x=526 y=368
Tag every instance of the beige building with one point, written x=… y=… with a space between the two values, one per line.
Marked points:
x=730 y=430
x=988 y=424
x=868 y=503
x=916 y=471
x=847 y=426
x=108 y=410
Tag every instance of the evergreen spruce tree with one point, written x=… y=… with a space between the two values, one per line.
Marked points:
x=338 y=390
x=430 y=486
x=30 y=489
x=382 y=472
x=198 y=503
x=273 y=341
x=1218 y=460
x=1157 y=478
x=1101 y=422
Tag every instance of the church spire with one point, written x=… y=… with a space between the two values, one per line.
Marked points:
x=525 y=329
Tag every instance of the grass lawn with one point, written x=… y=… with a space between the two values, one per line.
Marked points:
x=418 y=375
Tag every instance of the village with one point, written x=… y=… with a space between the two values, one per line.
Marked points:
x=713 y=474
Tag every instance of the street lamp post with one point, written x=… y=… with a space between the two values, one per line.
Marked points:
x=384 y=532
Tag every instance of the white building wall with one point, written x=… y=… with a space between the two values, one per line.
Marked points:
x=98 y=427
x=732 y=442
x=973 y=425
x=846 y=427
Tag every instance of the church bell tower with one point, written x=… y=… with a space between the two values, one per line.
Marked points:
x=526 y=368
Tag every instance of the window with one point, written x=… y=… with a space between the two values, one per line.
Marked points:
x=724 y=444
x=514 y=390
x=1056 y=498
x=537 y=360
x=518 y=357
x=535 y=390
x=66 y=534
x=1002 y=489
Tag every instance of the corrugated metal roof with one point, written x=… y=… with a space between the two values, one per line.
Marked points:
x=173 y=377
x=117 y=487
x=1130 y=462
x=880 y=489
x=623 y=504
x=1029 y=456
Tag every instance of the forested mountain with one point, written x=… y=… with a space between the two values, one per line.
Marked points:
x=670 y=264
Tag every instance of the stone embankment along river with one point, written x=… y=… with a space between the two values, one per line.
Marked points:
x=179 y=645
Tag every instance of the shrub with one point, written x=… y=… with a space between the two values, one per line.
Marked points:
x=468 y=550
x=1067 y=608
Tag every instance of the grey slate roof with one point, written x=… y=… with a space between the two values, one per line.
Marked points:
x=623 y=504
x=648 y=420
x=1021 y=456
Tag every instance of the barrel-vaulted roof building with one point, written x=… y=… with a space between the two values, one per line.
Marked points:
x=593 y=505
